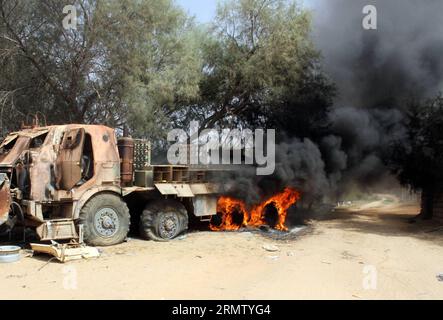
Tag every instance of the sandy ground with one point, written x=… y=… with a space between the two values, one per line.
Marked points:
x=370 y=253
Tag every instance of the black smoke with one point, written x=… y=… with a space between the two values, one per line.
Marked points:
x=377 y=74
x=402 y=59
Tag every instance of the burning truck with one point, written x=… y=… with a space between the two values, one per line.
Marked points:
x=80 y=183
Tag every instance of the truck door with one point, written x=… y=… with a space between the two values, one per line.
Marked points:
x=69 y=166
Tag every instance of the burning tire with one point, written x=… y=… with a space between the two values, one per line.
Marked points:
x=105 y=219
x=270 y=215
x=163 y=220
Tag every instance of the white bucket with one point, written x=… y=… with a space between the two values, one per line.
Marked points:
x=9 y=254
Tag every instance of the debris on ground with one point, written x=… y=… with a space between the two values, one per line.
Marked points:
x=66 y=252
x=47 y=262
x=291 y=234
x=440 y=277
x=271 y=248
x=27 y=253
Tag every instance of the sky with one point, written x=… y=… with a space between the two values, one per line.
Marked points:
x=203 y=10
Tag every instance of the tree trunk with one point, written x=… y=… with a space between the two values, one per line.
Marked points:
x=427 y=203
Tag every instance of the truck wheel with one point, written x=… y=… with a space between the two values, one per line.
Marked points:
x=105 y=219
x=163 y=220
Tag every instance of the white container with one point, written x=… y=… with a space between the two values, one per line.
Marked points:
x=9 y=254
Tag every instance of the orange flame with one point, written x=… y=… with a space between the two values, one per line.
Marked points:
x=234 y=214
x=228 y=207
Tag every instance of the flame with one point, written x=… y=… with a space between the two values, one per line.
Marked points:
x=233 y=210
x=282 y=202
x=228 y=207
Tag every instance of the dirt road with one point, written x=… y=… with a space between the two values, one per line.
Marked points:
x=369 y=254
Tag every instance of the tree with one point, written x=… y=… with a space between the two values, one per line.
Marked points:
x=304 y=109
x=418 y=161
x=257 y=54
x=126 y=63
x=145 y=65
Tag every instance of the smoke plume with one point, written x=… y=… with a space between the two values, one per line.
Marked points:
x=381 y=68
x=376 y=73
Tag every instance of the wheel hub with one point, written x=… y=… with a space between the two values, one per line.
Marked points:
x=169 y=225
x=106 y=222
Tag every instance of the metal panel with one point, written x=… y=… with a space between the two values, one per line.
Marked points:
x=69 y=160
x=11 y=137
x=205 y=205
x=57 y=230
x=66 y=252
x=144 y=178
x=128 y=190
x=166 y=189
x=33 y=209
x=179 y=190
x=9 y=158
x=203 y=188
x=5 y=198
x=183 y=190
x=126 y=151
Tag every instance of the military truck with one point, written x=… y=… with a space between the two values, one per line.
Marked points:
x=81 y=182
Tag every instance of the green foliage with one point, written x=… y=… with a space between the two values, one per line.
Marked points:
x=260 y=67
x=258 y=55
x=128 y=63
x=419 y=161
x=157 y=54
x=144 y=64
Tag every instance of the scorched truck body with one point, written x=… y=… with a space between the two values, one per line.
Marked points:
x=81 y=182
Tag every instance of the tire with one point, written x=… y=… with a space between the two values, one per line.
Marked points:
x=105 y=219
x=163 y=220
